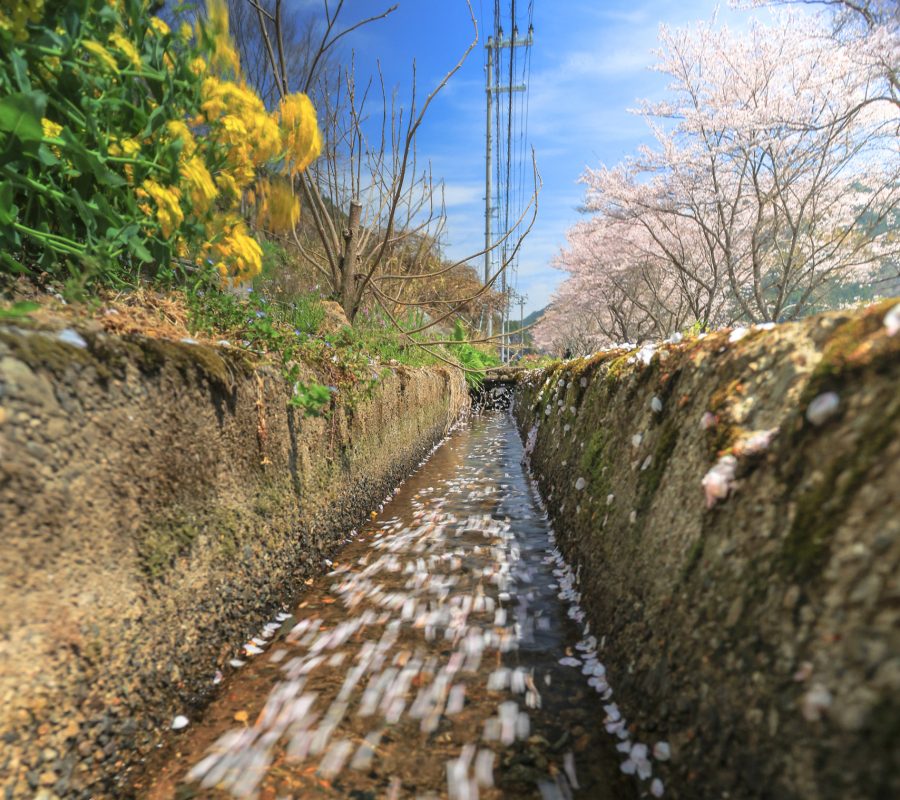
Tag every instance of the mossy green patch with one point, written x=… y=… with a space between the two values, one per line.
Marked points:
x=618 y=366
x=161 y=541
x=695 y=554
x=171 y=535
x=187 y=358
x=651 y=478
x=857 y=344
x=822 y=508
x=42 y=350
x=272 y=498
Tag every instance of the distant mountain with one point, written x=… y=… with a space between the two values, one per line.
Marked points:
x=533 y=317
x=513 y=326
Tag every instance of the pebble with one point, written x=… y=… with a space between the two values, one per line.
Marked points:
x=892 y=320
x=823 y=408
x=72 y=337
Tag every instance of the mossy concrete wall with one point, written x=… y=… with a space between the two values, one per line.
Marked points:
x=754 y=622
x=158 y=502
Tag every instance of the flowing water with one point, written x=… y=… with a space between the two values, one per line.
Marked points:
x=444 y=655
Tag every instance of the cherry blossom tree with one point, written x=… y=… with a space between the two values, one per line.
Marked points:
x=774 y=177
x=872 y=29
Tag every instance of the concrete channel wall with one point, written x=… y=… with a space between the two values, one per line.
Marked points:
x=159 y=501
x=732 y=505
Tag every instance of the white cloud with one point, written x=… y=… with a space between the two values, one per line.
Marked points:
x=593 y=64
x=461 y=194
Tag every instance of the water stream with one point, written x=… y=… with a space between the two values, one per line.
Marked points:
x=443 y=656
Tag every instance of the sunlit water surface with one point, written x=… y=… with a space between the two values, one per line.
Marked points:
x=441 y=657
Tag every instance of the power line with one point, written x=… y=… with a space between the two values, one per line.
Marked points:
x=505 y=147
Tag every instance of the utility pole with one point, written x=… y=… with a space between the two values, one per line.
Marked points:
x=489 y=147
x=506 y=350
x=493 y=47
x=523 y=298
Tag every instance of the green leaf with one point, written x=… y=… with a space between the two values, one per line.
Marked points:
x=139 y=251
x=16 y=310
x=46 y=157
x=20 y=115
x=20 y=70
x=11 y=264
x=86 y=213
x=8 y=211
x=88 y=162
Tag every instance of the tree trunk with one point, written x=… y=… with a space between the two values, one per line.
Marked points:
x=348 y=261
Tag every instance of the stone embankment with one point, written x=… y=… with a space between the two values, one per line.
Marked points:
x=159 y=501
x=732 y=506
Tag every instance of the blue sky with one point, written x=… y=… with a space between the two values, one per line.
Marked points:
x=589 y=64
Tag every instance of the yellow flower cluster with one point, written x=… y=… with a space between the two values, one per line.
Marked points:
x=234 y=252
x=127 y=148
x=100 y=53
x=124 y=46
x=278 y=208
x=223 y=149
x=51 y=129
x=225 y=57
x=16 y=14
x=178 y=129
x=168 y=205
x=239 y=123
x=302 y=140
x=200 y=186
x=159 y=26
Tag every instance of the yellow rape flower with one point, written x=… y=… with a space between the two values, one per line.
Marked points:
x=51 y=129
x=234 y=252
x=239 y=121
x=127 y=48
x=159 y=26
x=198 y=66
x=279 y=207
x=168 y=205
x=227 y=184
x=225 y=57
x=100 y=53
x=128 y=148
x=302 y=139
x=184 y=31
x=16 y=14
x=201 y=188
x=227 y=97
x=177 y=129
x=48 y=67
